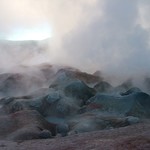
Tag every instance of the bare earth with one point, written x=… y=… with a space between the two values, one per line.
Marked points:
x=135 y=137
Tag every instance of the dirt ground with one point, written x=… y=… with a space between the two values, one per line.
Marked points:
x=135 y=137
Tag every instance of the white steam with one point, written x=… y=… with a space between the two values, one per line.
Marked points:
x=112 y=36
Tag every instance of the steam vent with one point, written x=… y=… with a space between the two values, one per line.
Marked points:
x=74 y=75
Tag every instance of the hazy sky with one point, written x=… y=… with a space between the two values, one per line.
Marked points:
x=109 y=35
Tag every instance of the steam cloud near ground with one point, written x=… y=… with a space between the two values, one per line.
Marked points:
x=112 y=36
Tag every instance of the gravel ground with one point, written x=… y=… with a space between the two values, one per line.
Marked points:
x=135 y=137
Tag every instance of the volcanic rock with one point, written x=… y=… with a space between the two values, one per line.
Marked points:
x=136 y=104
x=17 y=84
x=123 y=87
x=79 y=90
x=131 y=91
x=103 y=87
x=54 y=104
x=24 y=125
x=95 y=121
x=45 y=134
x=65 y=76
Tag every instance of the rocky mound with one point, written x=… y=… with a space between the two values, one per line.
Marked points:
x=25 y=80
x=65 y=76
x=25 y=125
x=66 y=102
x=103 y=87
x=135 y=104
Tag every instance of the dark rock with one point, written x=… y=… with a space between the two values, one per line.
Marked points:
x=131 y=91
x=127 y=84
x=62 y=126
x=63 y=129
x=58 y=106
x=17 y=84
x=11 y=105
x=98 y=73
x=24 y=133
x=103 y=87
x=24 y=125
x=85 y=124
x=64 y=76
x=53 y=104
x=45 y=134
x=53 y=97
x=124 y=86
x=136 y=104
x=94 y=121
x=56 y=120
x=132 y=120
x=79 y=90
x=35 y=104
x=7 y=100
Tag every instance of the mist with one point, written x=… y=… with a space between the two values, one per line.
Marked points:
x=111 y=36
x=69 y=67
